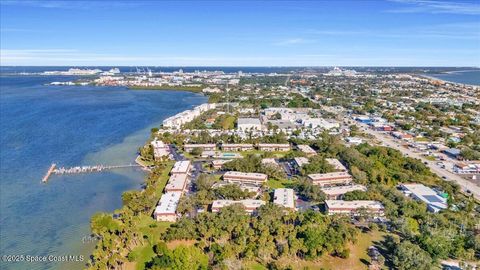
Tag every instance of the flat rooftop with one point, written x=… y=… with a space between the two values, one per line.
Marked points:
x=300 y=161
x=199 y=145
x=244 y=175
x=176 y=181
x=168 y=203
x=248 y=121
x=336 y=164
x=237 y=145
x=274 y=145
x=284 y=197
x=425 y=194
x=349 y=205
x=327 y=176
x=181 y=167
x=248 y=203
x=158 y=144
x=306 y=149
x=339 y=190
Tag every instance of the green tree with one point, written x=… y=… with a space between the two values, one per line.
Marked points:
x=408 y=256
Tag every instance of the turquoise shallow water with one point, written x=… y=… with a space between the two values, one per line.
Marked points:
x=70 y=126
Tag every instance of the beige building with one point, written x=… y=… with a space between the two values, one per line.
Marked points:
x=237 y=147
x=167 y=207
x=336 y=192
x=336 y=164
x=160 y=149
x=249 y=204
x=181 y=167
x=245 y=178
x=334 y=178
x=353 y=207
x=205 y=147
x=306 y=149
x=270 y=147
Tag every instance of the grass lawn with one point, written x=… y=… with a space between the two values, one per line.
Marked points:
x=163 y=179
x=358 y=259
x=273 y=183
x=142 y=255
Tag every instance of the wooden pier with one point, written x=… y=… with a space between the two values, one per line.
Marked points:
x=49 y=172
x=83 y=169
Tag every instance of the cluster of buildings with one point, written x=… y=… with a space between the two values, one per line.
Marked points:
x=268 y=147
x=166 y=209
x=176 y=121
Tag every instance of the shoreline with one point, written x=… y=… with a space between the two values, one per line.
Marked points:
x=430 y=77
x=147 y=171
x=167 y=88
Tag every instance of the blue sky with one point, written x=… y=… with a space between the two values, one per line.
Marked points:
x=241 y=33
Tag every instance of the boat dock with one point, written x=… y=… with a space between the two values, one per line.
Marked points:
x=49 y=172
x=83 y=169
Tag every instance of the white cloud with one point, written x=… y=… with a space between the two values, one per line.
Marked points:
x=293 y=41
x=76 y=4
x=437 y=7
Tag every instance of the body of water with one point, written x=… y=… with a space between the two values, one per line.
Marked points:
x=471 y=77
x=69 y=125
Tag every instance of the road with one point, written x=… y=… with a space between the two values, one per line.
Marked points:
x=445 y=174
x=467 y=187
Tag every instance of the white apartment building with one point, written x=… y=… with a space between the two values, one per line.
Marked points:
x=334 y=178
x=181 y=167
x=353 y=207
x=284 y=197
x=271 y=147
x=249 y=204
x=167 y=207
x=337 y=165
x=177 y=182
x=245 y=178
x=205 y=147
x=337 y=192
x=237 y=147
x=160 y=149
x=306 y=149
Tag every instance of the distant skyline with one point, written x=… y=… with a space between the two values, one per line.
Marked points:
x=240 y=33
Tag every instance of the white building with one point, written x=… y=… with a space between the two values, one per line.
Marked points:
x=300 y=161
x=181 y=167
x=337 y=165
x=334 y=178
x=205 y=147
x=160 y=149
x=354 y=140
x=306 y=149
x=284 y=197
x=237 y=147
x=249 y=204
x=271 y=147
x=176 y=182
x=245 y=178
x=353 y=207
x=336 y=193
x=419 y=192
x=176 y=121
x=167 y=207
x=248 y=124
x=320 y=123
